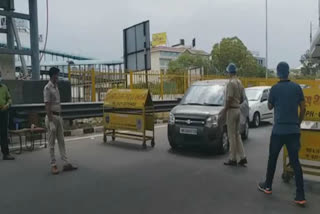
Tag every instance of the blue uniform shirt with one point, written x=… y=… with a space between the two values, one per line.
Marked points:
x=286 y=96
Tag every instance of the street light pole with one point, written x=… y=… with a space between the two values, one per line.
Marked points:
x=266 y=39
x=319 y=13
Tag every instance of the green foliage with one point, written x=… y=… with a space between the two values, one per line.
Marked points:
x=309 y=69
x=233 y=50
x=188 y=61
x=228 y=50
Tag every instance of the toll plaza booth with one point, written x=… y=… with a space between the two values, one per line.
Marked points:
x=129 y=114
x=309 y=154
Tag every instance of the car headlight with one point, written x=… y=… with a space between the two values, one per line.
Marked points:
x=212 y=121
x=171 y=119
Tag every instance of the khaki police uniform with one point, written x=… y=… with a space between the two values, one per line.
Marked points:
x=51 y=95
x=234 y=91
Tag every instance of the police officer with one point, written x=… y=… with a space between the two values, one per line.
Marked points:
x=234 y=98
x=54 y=122
x=285 y=98
x=5 y=102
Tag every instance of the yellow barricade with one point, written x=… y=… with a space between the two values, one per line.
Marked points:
x=309 y=154
x=129 y=110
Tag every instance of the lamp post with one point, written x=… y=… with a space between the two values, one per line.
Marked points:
x=266 y=39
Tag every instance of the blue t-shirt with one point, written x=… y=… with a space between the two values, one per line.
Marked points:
x=286 y=96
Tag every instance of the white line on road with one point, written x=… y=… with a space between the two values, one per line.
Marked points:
x=161 y=126
x=82 y=138
x=100 y=135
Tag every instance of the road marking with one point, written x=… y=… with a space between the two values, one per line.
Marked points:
x=161 y=126
x=100 y=135
x=87 y=137
x=82 y=138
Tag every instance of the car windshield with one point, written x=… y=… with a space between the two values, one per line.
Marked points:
x=253 y=94
x=212 y=95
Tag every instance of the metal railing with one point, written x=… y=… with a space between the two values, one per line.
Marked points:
x=72 y=111
x=91 y=85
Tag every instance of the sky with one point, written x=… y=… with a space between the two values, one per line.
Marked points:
x=94 y=28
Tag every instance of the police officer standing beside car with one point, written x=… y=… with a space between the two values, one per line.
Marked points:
x=234 y=97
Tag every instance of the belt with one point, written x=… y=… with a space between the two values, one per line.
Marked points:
x=56 y=113
x=234 y=107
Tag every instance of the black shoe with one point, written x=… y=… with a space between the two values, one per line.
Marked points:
x=230 y=163
x=69 y=167
x=300 y=200
x=243 y=162
x=8 y=157
x=262 y=187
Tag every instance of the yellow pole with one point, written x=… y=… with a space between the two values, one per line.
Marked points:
x=93 y=85
x=185 y=81
x=161 y=85
x=131 y=80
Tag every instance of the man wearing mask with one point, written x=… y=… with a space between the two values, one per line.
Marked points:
x=285 y=98
x=54 y=122
x=234 y=98
x=5 y=102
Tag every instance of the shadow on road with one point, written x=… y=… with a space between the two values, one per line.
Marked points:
x=266 y=123
x=200 y=153
x=134 y=146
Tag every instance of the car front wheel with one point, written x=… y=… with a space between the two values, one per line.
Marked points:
x=173 y=145
x=256 y=120
x=245 y=134
x=224 y=143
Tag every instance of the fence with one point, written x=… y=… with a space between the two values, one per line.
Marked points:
x=91 y=85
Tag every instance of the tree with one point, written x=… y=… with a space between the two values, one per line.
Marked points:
x=233 y=50
x=309 y=67
x=188 y=61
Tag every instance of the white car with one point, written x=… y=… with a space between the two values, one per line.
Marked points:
x=258 y=104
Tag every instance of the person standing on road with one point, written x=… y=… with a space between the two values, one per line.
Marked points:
x=234 y=98
x=285 y=97
x=5 y=102
x=54 y=122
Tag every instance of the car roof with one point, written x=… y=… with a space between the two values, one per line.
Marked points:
x=212 y=82
x=259 y=87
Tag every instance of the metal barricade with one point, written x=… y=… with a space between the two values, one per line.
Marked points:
x=129 y=114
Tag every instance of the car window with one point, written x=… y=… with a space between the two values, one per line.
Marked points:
x=253 y=94
x=265 y=95
x=205 y=95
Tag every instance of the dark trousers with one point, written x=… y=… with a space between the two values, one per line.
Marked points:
x=292 y=143
x=4 y=132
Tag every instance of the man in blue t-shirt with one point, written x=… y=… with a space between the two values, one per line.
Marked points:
x=285 y=98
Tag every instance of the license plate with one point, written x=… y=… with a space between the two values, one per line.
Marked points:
x=188 y=131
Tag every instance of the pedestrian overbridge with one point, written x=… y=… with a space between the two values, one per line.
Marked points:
x=315 y=47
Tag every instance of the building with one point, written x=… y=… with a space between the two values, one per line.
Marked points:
x=161 y=56
x=261 y=60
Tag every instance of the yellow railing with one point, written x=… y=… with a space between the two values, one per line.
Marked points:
x=90 y=85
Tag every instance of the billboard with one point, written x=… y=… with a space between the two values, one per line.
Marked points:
x=136 y=43
x=159 y=39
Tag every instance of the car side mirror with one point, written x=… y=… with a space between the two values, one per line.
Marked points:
x=179 y=99
x=263 y=99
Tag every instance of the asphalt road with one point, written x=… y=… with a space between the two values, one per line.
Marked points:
x=122 y=178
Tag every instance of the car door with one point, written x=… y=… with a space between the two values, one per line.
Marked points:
x=270 y=112
x=265 y=112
